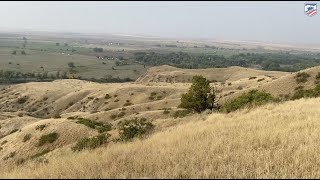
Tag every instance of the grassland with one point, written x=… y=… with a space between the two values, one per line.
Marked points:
x=41 y=122
x=274 y=141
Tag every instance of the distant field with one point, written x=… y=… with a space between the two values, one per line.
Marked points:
x=55 y=58
x=44 y=55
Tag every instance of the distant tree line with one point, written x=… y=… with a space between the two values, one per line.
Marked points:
x=96 y=49
x=12 y=77
x=266 y=61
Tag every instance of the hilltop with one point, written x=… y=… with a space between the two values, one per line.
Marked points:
x=171 y=74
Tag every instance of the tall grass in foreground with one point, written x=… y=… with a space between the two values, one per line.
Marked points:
x=272 y=141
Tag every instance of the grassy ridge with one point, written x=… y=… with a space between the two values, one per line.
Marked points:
x=268 y=142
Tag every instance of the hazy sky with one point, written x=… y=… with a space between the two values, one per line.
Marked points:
x=265 y=21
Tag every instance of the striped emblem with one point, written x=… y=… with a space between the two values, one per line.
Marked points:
x=310 y=9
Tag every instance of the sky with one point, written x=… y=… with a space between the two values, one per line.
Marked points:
x=250 y=21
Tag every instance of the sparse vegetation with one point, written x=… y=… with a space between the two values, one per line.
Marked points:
x=13 y=131
x=166 y=111
x=3 y=142
x=40 y=127
x=309 y=93
x=128 y=103
x=20 y=161
x=252 y=77
x=91 y=143
x=10 y=155
x=120 y=115
x=26 y=138
x=48 y=138
x=239 y=88
x=249 y=100
x=40 y=153
x=181 y=113
x=107 y=96
x=302 y=77
x=260 y=79
x=136 y=127
x=101 y=127
x=22 y=100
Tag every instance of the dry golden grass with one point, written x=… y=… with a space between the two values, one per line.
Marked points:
x=273 y=141
x=47 y=99
x=162 y=73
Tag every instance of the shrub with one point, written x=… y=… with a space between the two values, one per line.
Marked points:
x=181 y=113
x=254 y=77
x=302 y=77
x=115 y=95
x=166 y=111
x=48 y=138
x=229 y=84
x=116 y=100
x=121 y=114
x=309 y=93
x=136 y=127
x=318 y=76
x=20 y=161
x=40 y=153
x=41 y=127
x=26 y=138
x=201 y=95
x=3 y=142
x=113 y=116
x=153 y=94
x=13 y=131
x=239 y=88
x=260 y=79
x=22 y=100
x=159 y=97
x=70 y=104
x=57 y=116
x=299 y=88
x=127 y=104
x=151 y=98
x=10 y=155
x=101 y=127
x=249 y=99
x=107 y=96
x=91 y=143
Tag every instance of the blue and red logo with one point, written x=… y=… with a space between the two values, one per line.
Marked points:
x=310 y=9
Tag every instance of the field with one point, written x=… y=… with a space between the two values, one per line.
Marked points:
x=44 y=55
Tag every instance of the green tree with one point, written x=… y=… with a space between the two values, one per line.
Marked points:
x=201 y=96
x=71 y=65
